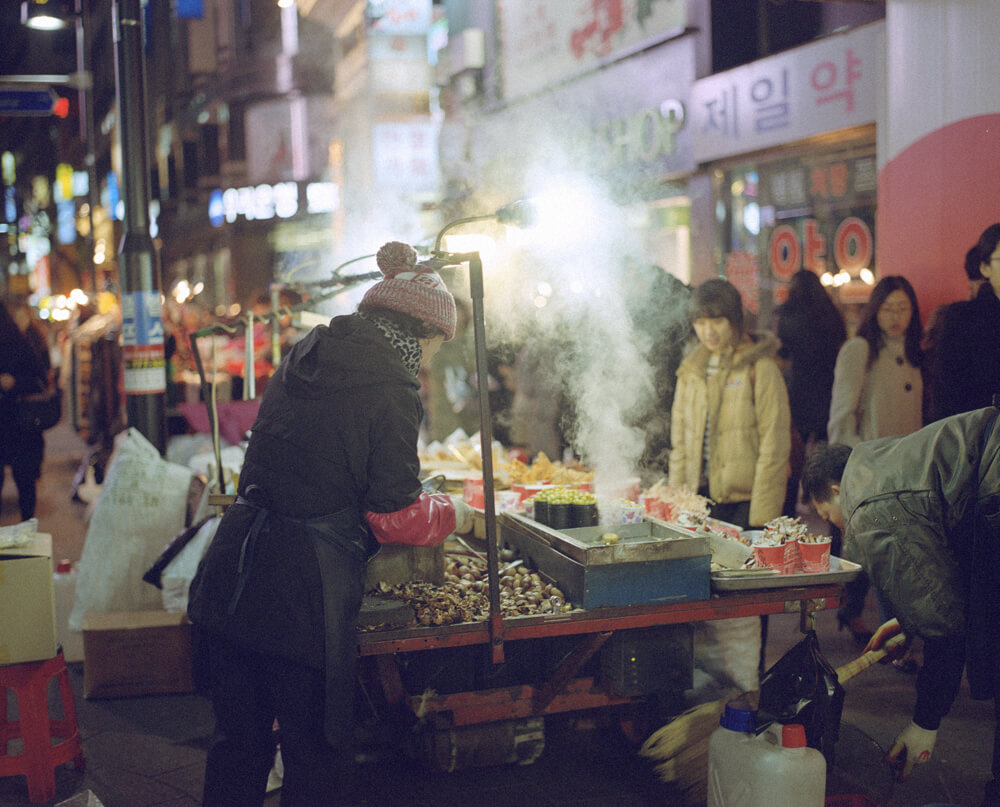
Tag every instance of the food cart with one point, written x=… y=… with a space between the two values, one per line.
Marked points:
x=615 y=650
x=622 y=656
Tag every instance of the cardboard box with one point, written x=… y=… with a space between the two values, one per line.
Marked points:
x=27 y=602
x=132 y=653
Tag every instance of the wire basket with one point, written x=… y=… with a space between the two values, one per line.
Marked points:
x=859 y=776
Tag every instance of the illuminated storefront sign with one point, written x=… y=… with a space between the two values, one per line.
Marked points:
x=283 y=200
x=643 y=137
x=815 y=213
x=820 y=87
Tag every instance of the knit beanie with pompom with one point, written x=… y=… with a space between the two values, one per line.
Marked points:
x=411 y=288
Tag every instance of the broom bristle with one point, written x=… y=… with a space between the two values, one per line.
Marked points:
x=688 y=727
x=687 y=767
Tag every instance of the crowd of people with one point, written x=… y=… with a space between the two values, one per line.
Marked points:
x=746 y=418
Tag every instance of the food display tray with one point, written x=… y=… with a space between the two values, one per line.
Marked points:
x=732 y=554
x=649 y=540
x=651 y=562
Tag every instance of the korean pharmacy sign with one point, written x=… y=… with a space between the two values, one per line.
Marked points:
x=821 y=87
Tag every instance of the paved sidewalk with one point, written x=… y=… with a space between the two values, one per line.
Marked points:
x=150 y=751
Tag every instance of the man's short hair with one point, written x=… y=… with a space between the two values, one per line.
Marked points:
x=824 y=467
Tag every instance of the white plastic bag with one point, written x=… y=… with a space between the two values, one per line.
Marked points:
x=17 y=535
x=729 y=651
x=176 y=578
x=143 y=504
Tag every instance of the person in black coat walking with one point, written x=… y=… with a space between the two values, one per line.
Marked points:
x=22 y=372
x=967 y=364
x=331 y=471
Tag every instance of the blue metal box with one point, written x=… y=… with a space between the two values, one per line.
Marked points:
x=652 y=562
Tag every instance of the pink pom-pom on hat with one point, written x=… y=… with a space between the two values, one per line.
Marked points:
x=396 y=257
x=411 y=289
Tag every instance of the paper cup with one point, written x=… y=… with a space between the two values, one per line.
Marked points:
x=815 y=557
x=507 y=501
x=784 y=558
x=655 y=507
x=472 y=493
x=633 y=514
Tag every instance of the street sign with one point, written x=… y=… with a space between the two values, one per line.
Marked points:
x=25 y=101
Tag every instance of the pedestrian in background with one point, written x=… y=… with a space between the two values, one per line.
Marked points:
x=23 y=371
x=811 y=330
x=730 y=426
x=967 y=366
x=877 y=392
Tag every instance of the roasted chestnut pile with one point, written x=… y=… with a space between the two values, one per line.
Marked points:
x=464 y=596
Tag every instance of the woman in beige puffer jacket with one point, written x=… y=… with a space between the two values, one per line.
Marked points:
x=731 y=386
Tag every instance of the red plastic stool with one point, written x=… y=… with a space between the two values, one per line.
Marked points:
x=36 y=728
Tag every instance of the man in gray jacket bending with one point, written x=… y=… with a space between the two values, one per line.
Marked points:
x=921 y=514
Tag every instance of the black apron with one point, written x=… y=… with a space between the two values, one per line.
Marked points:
x=343 y=545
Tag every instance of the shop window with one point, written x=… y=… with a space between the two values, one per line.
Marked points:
x=209 y=155
x=815 y=212
x=236 y=140
x=190 y=166
x=746 y=30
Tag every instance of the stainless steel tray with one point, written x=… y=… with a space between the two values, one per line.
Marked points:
x=649 y=540
x=731 y=554
x=841 y=571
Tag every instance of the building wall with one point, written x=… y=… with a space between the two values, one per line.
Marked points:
x=938 y=141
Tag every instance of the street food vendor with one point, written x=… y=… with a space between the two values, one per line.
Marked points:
x=921 y=514
x=331 y=471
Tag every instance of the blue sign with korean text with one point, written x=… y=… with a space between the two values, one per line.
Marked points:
x=26 y=101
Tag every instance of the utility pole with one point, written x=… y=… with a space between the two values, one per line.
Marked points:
x=142 y=324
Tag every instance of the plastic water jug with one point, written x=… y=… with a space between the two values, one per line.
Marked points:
x=775 y=768
x=64 y=589
x=733 y=753
x=789 y=772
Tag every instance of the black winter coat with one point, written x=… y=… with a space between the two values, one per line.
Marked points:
x=967 y=367
x=19 y=359
x=336 y=436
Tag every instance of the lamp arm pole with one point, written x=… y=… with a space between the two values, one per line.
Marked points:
x=455 y=223
x=486 y=444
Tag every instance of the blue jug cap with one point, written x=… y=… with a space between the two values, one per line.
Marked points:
x=739 y=716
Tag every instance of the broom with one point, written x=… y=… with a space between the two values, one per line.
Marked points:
x=681 y=746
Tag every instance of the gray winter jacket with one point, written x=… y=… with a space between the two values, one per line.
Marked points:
x=922 y=516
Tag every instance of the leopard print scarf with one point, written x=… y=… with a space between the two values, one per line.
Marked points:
x=406 y=345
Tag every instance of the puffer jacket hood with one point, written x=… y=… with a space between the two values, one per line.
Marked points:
x=753 y=347
x=349 y=353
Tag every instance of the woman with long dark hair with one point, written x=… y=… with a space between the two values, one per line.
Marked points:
x=878 y=392
x=877 y=386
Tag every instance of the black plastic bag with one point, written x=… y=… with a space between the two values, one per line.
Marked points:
x=802 y=687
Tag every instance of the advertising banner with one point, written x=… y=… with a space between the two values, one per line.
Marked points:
x=545 y=43
x=142 y=343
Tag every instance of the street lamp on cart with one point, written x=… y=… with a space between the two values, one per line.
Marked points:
x=519 y=214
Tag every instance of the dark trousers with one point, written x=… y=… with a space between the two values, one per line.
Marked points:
x=738 y=513
x=23 y=454
x=249 y=690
